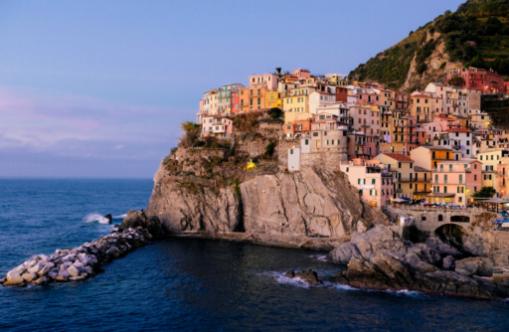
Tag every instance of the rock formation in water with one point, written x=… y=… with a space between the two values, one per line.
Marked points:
x=382 y=258
x=86 y=260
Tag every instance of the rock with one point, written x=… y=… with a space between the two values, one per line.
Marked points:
x=13 y=277
x=381 y=259
x=342 y=254
x=80 y=262
x=448 y=263
x=29 y=277
x=312 y=208
x=481 y=266
x=308 y=276
x=40 y=281
x=73 y=271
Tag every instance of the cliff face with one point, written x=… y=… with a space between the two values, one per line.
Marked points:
x=313 y=208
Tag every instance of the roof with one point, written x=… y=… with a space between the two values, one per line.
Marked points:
x=399 y=157
x=437 y=148
x=421 y=169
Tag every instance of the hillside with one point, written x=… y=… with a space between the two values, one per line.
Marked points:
x=477 y=34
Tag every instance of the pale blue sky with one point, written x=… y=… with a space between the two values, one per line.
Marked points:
x=98 y=88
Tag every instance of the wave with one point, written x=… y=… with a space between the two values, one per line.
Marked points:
x=120 y=216
x=405 y=292
x=282 y=278
x=320 y=258
x=96 y=217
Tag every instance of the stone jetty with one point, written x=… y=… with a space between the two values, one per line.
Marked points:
x=86 y=260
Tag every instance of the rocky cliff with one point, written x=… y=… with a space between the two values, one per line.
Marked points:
x=313 y=208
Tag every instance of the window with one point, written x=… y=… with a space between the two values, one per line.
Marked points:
x=440 y=217
x=373 y=181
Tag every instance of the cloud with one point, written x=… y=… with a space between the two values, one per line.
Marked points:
x=84 y=127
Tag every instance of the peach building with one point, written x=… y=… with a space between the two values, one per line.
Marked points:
x=374 y=182
x=269 y=81
x=455 y=181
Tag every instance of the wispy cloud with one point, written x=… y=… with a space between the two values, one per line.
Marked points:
x=85 y=127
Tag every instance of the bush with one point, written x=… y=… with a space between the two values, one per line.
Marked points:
x=276 y=113
x=191 y=134
x=457 y=81
x=485 y=192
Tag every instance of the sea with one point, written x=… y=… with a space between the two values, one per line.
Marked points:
x=186 y=284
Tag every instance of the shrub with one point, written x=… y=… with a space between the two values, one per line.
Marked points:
x=485 y=192
x=191 y=134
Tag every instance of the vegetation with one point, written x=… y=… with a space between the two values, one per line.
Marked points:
x=191 y=134
x=477 y=34
x=485 y=192
x=276 y=114
x=457 y=81
x=389 y=67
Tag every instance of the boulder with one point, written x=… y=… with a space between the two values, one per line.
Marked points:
x=308 y=276
x=73 y=271
x=448 y=263
x=13 y=277
x=342 y=254
x=481 y=266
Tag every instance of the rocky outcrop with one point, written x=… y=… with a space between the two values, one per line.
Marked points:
x=313 y=208
x=381 y=259
x=309 y=277
x=86 y=260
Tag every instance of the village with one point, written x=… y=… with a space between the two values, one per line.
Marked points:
x=431 y=149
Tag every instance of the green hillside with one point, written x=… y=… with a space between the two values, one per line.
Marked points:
x=477 y=34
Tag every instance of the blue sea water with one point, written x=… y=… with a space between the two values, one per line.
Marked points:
x=181 y=284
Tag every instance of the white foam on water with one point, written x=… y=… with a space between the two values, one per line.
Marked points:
x=405 y=292
x=120 y=216
x=95 y=217
x=320 y=258
x=283 y=279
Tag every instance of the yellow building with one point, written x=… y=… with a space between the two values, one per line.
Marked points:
x=296 y=105
x=273 y=100
x=424 y=106
x=490 y=159
x=422 y=183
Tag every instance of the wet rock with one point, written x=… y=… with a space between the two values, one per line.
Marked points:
x=80 y=262
x=448 y=263
x=481 y=266
x=308 y=276
x=381 y=259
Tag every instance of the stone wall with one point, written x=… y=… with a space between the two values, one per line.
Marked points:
x=428 y=219
x=328 y=160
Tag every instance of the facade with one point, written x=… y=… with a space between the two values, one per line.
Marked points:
x=216 y=126
x=483 y=80
x=490 y=159
x=374 y=182
x=455 y=181
x=405 y=177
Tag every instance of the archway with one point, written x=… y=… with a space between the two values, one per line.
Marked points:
x=451 y=234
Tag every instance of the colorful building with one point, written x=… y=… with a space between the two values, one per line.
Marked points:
x=374 y=182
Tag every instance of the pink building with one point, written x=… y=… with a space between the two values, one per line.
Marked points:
x=372 y=179
x=455 y=181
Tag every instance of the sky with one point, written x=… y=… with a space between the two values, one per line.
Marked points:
x=98 y=89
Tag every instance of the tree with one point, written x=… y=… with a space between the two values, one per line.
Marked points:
x=485 y=192
x=457 y=81
x=276 y=113
x=191 y=134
